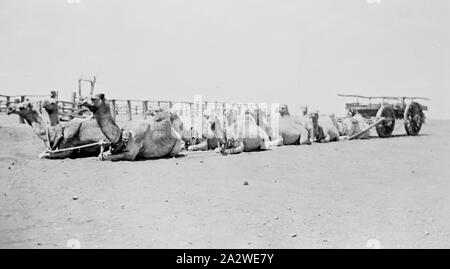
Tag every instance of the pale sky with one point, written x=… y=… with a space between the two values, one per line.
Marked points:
x=286 y=51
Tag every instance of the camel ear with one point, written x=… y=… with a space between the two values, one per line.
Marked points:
x=101 y=96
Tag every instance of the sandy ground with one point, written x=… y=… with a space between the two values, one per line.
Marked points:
x=337 y=195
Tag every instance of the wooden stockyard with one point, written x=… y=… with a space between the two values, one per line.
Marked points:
x=382 y=114
x=125 y=110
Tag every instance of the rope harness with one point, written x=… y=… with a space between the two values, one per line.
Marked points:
x=102 y=143
x=122 y=144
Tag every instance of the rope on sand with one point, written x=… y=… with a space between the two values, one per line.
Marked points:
x=101 y=143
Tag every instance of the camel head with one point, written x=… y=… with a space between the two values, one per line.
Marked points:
x=284 y=111
x=304 y=110
x=26 y=110
x=213 y=127
x=179 y=126
x=94 y=102
x=260 y=118
x=348 y=126
x=50 y=105
x=312 y=124
x=231 y=115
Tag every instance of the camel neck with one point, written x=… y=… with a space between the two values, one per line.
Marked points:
x=107 y=124
x=54 y=118
x=38 y=126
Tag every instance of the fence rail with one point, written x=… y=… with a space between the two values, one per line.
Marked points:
x=127 y=110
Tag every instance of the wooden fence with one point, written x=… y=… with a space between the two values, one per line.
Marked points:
x=127 y=110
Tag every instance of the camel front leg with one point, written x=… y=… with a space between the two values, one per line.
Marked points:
x=176 y=148
x=57 y=142
x=123 y=156
x=58 y=155
x=202 y=146
x=329 y=136
x=236 y=149
x=129 y=154
x=274 y=143
x=304 y=138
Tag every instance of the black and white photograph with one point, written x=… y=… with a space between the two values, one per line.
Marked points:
x=224 y=124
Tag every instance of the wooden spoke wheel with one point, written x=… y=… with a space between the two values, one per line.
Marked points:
x=413 y=118
x=386 y=126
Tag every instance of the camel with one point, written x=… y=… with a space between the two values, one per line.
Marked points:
x=240 y=134
x=261 y=119
x=247 y=132
x=154 y=137
x=51 y=107
x=325 y=127
x=178 y=125
x=33 y=117
x=208 y=141
x=74 y=133
x=293 y=129
x=352 y=125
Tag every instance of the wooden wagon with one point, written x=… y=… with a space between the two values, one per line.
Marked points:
x=382 y=115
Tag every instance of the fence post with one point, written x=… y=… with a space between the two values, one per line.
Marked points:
x=74 y=100
x=144 y=109
x=22 y=99
x=129 y=110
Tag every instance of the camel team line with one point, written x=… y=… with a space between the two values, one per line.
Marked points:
x=164 y=134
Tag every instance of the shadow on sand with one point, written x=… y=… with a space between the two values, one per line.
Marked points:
x=396 y=136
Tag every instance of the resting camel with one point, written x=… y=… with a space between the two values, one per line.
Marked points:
x=294 y=130
x=352 y=125
x=177 y=124
x=241 y=134
x=325 y=128
x=73 y=133
x=151 y=138
x=210 y=139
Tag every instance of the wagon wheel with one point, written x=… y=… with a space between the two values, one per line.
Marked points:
x=386 y=126
x=413 y=118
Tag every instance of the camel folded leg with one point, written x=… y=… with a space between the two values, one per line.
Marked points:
x=129 y=154
x=304 y=138
x=57 y=142
x=123 y=156
x=179 y=144
x=58 y=155
x=202 y=146
x=278 y=141
x=329 y=137
x=235 y=150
